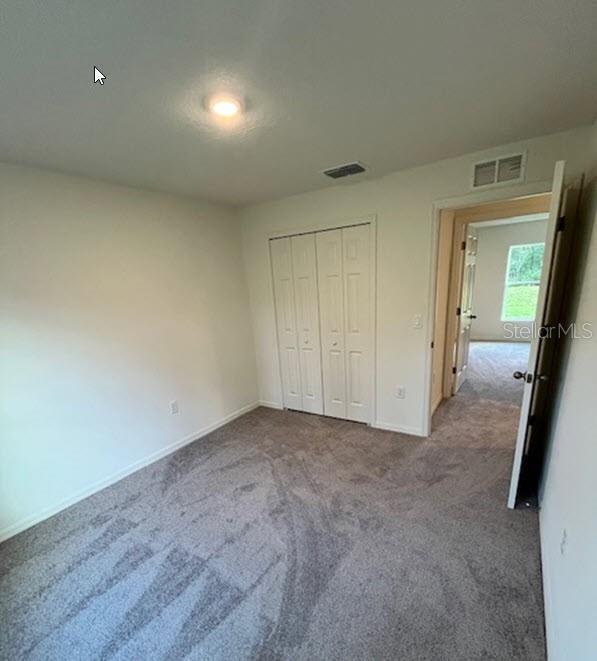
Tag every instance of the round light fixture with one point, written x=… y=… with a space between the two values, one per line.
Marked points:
x=224 y=106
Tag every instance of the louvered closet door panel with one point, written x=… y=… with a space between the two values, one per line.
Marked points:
x=286 y=322
x=357 y=321
x=304 y=267
x=331 y=314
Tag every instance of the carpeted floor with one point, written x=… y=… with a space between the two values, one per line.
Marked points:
x=291 y=536
x=491 y=365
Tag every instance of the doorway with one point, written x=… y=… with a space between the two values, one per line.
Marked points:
x=470 y=293
x=517 y=292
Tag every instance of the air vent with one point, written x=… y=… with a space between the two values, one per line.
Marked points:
x=344 y=170
x=504 y=170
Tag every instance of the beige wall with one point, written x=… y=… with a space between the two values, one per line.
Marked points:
x=402 y=204
x=568 y=514
x=490 y=276
x=113 y=302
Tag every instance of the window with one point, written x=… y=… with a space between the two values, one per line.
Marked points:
x=523 y=275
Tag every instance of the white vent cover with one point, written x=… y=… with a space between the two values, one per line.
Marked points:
x=503 y=170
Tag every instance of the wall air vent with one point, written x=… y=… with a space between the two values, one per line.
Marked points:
x=503 y=170
x=344 y=170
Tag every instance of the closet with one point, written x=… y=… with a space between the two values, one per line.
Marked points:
x=322 y=290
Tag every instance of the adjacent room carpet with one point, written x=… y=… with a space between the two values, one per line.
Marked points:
x=491 y=365
x=291 y=536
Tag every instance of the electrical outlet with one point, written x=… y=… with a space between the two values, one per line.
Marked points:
x=400 y=392
x=174 y=410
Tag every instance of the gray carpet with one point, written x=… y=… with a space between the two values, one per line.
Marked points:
x=491 y=365
x=290 y=536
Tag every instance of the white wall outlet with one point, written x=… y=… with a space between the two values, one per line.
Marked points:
x=174 y=410
x=400 y=392
x=417 y=321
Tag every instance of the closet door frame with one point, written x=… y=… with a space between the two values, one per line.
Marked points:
x=370 y=220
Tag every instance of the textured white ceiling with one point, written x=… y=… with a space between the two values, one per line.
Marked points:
x=390 y=83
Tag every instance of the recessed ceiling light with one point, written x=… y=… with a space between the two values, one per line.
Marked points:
x=225 y=106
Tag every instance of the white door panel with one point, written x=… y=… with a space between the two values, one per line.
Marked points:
x=287 y=303
x=335 y=386
x=304 y=267
x=286 y=322
x=357 y=306
x=291 y=364
x=355 y=373
x=466 y=306
x=331 y=305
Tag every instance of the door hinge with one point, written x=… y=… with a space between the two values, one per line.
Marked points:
x=561 y=224
x=463 y=245
x=458 y=312
x=454 y=370
x=432 y=345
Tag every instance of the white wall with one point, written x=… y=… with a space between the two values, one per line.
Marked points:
x=493 y=246
x=568 y=514
x=113 y=302
x=402 y=203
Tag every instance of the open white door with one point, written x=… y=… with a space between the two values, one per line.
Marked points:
x=527 y=454
x=466 y=315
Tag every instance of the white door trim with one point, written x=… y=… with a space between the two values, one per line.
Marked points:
x=331 y=224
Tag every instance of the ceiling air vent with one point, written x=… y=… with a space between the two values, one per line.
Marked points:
x=344 y=170
x=504 y=170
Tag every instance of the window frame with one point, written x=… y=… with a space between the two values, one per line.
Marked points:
x=506 y=285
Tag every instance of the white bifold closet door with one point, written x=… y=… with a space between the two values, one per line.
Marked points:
x=331 y=308
x=322 y=290
x=344 y=274
x=294 y=267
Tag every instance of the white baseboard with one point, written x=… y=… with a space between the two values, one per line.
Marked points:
x=401 y=429
x=271 y=405
x=546 y=569
x=46 y=513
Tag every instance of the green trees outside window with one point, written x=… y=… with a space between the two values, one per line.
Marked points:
x=523 y=275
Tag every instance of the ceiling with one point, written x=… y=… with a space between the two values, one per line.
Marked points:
x=391 y=84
